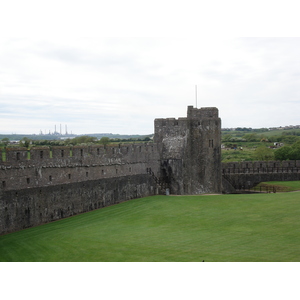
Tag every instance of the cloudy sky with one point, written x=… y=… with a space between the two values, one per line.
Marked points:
x=121 y=84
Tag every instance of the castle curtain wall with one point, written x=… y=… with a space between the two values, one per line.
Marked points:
x=46 y=184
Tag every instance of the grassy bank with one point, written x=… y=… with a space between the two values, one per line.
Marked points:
x=260 y=227
x=278 y=186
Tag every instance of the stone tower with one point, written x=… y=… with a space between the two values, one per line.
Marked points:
x=190 y=151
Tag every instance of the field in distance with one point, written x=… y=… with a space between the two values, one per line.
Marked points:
x=213 y=228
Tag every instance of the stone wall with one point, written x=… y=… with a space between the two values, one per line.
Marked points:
x=245 y=175
x=45 y=184
x=69 y=165
x=29 y=207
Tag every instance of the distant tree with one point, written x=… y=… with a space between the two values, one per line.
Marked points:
x=291 y=133
x=251 y=137
x=104 y=141
x=243 y=129
x=25 y=142
x=261 y=130
x=5 y=141
x=295 y=152
x=227 y=137
x=84 y=139
x=290 y=139
x=264 y=153
x=283 y=153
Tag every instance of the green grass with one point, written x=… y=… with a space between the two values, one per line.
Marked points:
x=257 y=227
x=279 y=186
x=247 y=154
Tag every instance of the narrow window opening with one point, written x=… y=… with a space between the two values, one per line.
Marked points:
x=69 y=176
x=18 y=155
x=81 y=152
x=87 y=174
x=41 y=154
x=4 y=184
x=28 y=180
x=102 y=172
x=62 y=153
x=50 y=178
x=98 y=151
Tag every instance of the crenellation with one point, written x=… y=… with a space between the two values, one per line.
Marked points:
x=61 y=168
x=80 y=152
x=260 y=167
x=38 y=154
x=96 y=150
x=16 y=155
x=61 y=153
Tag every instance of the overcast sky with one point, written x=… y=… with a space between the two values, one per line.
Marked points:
x=120 y=85
x=49 y=76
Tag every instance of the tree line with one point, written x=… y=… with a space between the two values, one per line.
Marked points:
x=80 y=140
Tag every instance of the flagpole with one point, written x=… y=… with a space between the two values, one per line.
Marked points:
x=196 y=94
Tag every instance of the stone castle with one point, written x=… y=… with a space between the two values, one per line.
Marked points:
x=42 y=184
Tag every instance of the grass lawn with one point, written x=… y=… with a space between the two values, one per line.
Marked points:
x=279 y=186
x=255 y=227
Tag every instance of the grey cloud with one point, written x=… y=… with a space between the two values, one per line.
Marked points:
x=112 y=82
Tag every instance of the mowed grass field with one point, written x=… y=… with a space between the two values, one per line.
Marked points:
x=213 y=228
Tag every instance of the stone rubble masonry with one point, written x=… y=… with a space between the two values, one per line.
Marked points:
x=45 y=184
x=190 y=151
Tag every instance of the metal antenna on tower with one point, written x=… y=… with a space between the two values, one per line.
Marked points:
x=196 y=94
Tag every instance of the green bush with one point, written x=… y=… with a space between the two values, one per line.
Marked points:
x=264 y=153
x=288 y=152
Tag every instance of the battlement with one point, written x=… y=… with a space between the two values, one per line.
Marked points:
x=260 y=167
x=202 y=113
x=16 y=154
x=45 y=166
x=37 y=155
x=192 y=114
